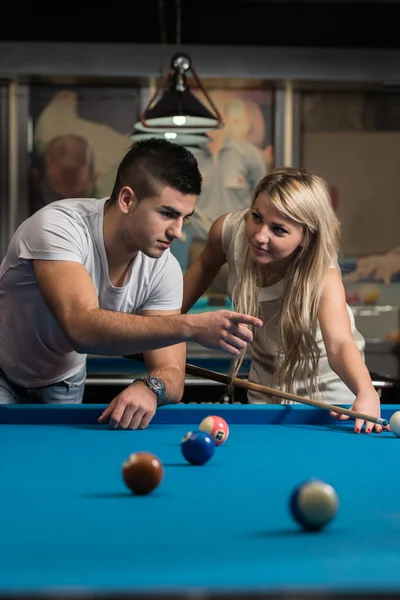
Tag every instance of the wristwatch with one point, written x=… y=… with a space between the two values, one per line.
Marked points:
x=155 y=384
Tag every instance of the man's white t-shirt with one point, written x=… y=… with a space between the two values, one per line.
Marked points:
x=34 y=351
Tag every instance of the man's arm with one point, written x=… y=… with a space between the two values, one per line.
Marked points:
x=69 y=293
x=168 y=364
x=136 y=405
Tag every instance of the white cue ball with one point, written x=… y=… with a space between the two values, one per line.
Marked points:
x=395 y=423
x=314 y=504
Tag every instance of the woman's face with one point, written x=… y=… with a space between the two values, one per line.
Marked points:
x=271 y=236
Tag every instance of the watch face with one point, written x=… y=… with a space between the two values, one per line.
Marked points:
x=156 y=383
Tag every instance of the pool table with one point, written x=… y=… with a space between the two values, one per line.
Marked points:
x=71 y=529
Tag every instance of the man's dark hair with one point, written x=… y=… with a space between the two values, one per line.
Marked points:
x=155 y=163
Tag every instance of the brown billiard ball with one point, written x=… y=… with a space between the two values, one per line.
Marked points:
x=142 y=472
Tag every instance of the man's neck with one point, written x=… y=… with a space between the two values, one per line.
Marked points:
x=216 y=144
x=119 y=258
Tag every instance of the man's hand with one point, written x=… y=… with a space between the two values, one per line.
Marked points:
x=380 y=267
x=223 y=330
x=133 y=408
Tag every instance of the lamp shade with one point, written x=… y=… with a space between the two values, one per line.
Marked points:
x=183 y=139
x=139 y=127
x=179 y=108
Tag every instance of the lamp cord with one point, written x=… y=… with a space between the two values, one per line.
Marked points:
x=178 y=22
x=163 y=35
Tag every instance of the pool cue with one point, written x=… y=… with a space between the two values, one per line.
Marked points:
x=263 y=389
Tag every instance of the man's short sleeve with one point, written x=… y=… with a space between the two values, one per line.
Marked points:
x=167 y=292
x=53 y=234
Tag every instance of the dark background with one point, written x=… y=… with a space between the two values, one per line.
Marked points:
x=222 y=22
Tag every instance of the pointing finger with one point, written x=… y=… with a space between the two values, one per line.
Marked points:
x=247 y=319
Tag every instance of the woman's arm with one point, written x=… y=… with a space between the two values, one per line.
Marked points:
x=344 y=357
x=205 y=268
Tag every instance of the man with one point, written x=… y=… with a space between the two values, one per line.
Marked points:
x=97 y=276
x=65 y=169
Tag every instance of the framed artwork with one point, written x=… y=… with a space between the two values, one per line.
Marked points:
x=79 y=136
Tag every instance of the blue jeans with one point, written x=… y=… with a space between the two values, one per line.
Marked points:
x=68 y=391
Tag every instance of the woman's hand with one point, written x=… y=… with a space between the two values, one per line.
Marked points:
x=369 y=404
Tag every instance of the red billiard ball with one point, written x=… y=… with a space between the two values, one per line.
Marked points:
x=216 y=427
x=142 y=472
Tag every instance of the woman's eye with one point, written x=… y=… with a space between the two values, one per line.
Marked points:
x=279 y=230
x=256 y=217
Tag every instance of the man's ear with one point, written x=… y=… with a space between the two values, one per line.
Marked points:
x=127 y=199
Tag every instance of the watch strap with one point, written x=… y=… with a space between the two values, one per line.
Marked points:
x=155 y=384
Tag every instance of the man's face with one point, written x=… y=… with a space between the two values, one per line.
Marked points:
x=69 y=179
x=151 y=225
x=59 y=183
x=237 y=119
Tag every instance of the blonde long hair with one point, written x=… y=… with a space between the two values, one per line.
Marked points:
x=305 y=198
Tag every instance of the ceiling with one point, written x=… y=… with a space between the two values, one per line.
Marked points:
x=208 y=22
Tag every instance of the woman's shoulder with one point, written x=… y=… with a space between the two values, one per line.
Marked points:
x=236 y=217
x=226 y=222
x=231 y=225
x=233 y=220
x=335 y=265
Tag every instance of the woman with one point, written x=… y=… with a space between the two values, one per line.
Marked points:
x=283 y=267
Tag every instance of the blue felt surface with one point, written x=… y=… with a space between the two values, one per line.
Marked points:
x=68 y=520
